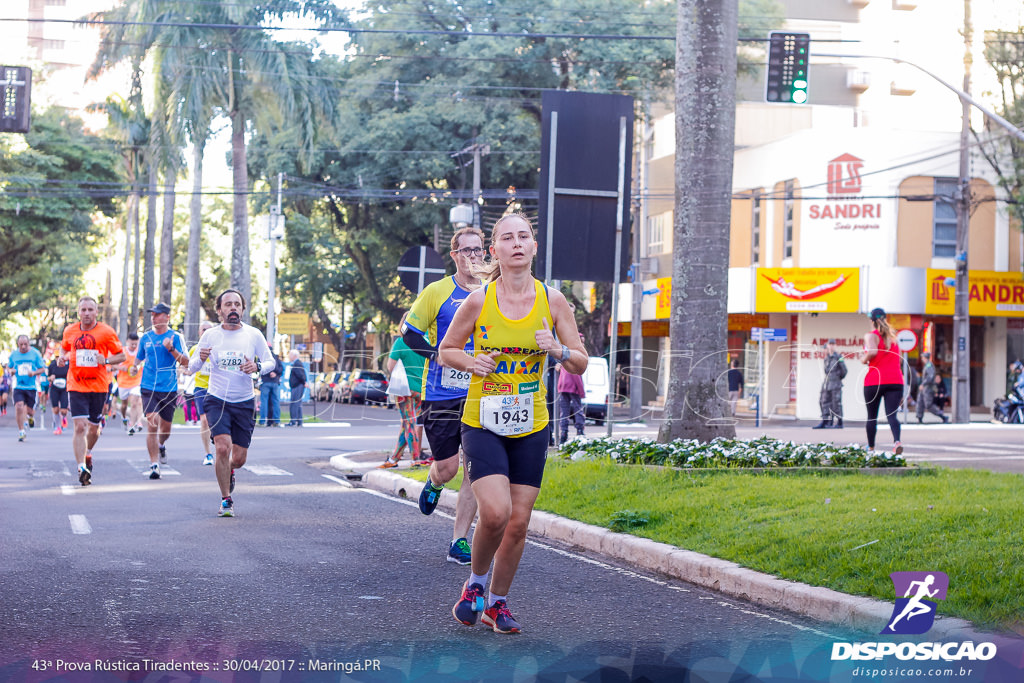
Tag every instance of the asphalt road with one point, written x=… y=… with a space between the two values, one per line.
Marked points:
x=317 y=576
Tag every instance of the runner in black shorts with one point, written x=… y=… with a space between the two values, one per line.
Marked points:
x=444 y=391
x=513 y=321
x=58 y=375
x=88 y=347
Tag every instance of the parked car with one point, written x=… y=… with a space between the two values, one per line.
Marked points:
x=340 y=389
x=325 y=385
x=595 y=381
x=368 y=386
x=286 y=390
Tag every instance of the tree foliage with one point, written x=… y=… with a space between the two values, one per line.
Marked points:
x=52 y=184
x=1004 y=51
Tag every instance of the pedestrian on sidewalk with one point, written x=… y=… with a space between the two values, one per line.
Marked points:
x=831 y=399
x=571 y=393
x=405 y=370
x=512 y=321
x=883 y=382
x=270 y=393
x=5 y=389
x=297 y=382
x=161 y=352
x=735 y=378
x=926 y=391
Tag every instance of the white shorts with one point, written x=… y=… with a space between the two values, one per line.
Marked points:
x=123 y=394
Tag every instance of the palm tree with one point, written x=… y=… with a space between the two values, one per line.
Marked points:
x=705 y=103
x=253 y=78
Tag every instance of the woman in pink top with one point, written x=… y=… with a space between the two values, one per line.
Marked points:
x=884 y=381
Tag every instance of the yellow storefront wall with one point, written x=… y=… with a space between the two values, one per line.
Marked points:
x=991 y=293
x=797 y=290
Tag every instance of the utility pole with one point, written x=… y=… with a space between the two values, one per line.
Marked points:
x=272 y=232
x=636 y=340
x=961 y=390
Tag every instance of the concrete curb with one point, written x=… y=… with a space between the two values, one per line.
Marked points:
x=823 y=604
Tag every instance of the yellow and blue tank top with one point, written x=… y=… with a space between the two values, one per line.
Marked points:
x=521 y=366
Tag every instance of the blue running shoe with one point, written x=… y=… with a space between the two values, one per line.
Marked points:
x=429 y=497
x=208 y=460
x=500 y=619
x=459 y=551
x=467 y=610
x=227 y=508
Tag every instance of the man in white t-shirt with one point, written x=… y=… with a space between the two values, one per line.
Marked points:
x=235 y=351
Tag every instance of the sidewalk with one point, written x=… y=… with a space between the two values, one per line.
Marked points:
x=826 y=605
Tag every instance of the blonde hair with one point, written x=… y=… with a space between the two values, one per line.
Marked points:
x=491 y=271
x=885 y=329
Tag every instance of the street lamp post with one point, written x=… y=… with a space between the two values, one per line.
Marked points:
x=275 y=231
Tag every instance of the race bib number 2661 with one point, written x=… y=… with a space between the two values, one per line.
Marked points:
x=507 y=415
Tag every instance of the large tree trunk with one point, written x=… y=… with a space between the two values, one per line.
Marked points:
x=167 y=238
x=149 y=274
x=696 y=405
x=195 y=236
x=241 y=277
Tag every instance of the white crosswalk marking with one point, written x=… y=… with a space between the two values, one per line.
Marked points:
x=68 y=489
x=267 y=470
x=79 y=524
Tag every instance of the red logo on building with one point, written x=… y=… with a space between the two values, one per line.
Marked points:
x=940 y=292
x=844 y=175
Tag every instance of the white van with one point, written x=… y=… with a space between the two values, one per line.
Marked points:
x=595 y=381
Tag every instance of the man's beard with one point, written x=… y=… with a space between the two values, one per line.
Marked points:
x=234 y=318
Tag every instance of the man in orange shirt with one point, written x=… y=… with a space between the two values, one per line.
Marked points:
x=89 y=346
x=129 y=389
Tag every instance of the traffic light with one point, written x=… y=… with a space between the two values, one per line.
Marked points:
x=787 y=68
x=15 y=98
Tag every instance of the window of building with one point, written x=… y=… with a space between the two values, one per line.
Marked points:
x=56 y=3
x=755 y=227
x=51 y=44
x=787 y=226
x=944 y=222
x=657 y=226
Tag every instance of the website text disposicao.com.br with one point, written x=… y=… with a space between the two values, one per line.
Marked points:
x=958 y=659
x=905 y=672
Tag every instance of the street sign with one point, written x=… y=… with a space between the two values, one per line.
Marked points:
x=418 y=267
x=318 y=351
x=906 y=340
x=769 y=333
x=292 y=323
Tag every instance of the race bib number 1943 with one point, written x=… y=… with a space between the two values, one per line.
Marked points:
x=507 y=415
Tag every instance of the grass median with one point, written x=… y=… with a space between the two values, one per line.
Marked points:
x=847 y=532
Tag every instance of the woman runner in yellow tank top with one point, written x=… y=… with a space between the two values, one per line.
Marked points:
x=516 y=324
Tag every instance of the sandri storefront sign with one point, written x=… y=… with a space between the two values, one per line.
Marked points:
x=991 y=293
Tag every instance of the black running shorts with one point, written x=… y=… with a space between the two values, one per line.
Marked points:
x=58 y=397
x=87 y=405
x=442 y=424
x=163 y=403
x=26 y=396
x=237 y=420
x=521 y=459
